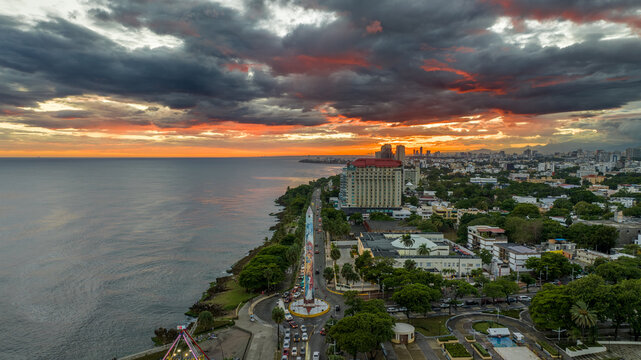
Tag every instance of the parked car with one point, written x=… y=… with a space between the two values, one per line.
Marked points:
x=252 y=318
x=286 y=352
x=524 y=298
x=286 y=344
x=472 y=302
x=511 y=299
x=284 y=357
x=316 y=252
x=287 y=333
x=392 y=309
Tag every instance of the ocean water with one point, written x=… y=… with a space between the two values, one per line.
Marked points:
x=97 y=253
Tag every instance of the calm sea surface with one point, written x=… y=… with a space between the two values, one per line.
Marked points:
x=97 y=253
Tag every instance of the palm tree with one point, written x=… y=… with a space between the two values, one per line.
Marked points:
x=335 y=254
x=278 y=315
x=582 y=316
x=407 y=241
x=423 y=250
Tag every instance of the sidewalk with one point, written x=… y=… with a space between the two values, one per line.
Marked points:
x=263 y=341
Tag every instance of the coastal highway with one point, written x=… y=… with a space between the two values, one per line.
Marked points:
x=316 y=341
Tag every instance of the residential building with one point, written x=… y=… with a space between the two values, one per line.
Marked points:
x=587 y=257
x=484 y=237
x=386 y=152
x=446 y=212
x=400 y=153
x=412 y=175
x=514 y=255
x=593 y=179
x=524 y=199
x=483 y=181
x=372 y=184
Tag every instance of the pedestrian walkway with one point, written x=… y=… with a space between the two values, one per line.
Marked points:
x=263 y=341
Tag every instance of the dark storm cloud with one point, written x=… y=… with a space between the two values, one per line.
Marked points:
x=426 y=60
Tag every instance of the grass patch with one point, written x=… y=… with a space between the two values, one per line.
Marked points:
x=432 y=326
x=457 y=350
x=548 y=347
x=217 y=325
x=481 y=349
x=448 y=338
x=513 y=313
x=233 y=296
x=482 y=326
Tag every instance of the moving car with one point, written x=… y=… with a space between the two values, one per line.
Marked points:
x=296 y=337
x=316 y=356
x=322 y=332
x=286 y=344
x=294 y=351
x=304 y=337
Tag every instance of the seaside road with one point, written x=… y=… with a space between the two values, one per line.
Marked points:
x=263 y=343
x=316 y=341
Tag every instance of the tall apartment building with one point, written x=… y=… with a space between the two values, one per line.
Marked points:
x=412 y=175
x=372 y=184
x=386 y=152
x=400 y=153
x=484 y=237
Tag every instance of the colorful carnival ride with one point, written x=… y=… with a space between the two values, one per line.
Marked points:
x=190 y=350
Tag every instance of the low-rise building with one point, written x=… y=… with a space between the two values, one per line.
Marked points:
x=587 y=257
x=483 y=181
x=446 y=212
x=524 y=199
x=514 y=255
x=484 y=237
x=444 y=255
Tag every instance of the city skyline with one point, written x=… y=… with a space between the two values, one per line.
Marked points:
x=274 y=78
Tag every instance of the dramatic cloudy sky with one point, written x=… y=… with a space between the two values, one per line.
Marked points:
x=261 y=77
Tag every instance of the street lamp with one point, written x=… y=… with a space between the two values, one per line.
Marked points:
x=559 y=333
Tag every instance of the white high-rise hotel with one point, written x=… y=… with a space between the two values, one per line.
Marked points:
x=372 y=183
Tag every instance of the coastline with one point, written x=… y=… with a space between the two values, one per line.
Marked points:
x=225 y=294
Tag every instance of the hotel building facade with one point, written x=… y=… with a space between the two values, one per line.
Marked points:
x=372 y=184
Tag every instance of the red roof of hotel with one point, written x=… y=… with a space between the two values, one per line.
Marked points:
x=365 y=162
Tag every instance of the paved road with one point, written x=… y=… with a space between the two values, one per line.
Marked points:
x=316 y=341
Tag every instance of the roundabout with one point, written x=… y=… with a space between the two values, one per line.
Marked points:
x=302 y=308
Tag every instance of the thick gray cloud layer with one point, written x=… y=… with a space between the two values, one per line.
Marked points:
x=426 y=60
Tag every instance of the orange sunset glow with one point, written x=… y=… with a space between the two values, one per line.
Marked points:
x=221 y=79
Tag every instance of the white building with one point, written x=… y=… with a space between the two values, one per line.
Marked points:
x=483 y=181
x=443 y=254
x=484 y=237
x=514 y=255
x=625 y=201
x=524 y=199
x=372 y=184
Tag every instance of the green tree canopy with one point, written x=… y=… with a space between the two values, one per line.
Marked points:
x=550 y=307
x=362 y=333
x=526 y=210
x=416 y=298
